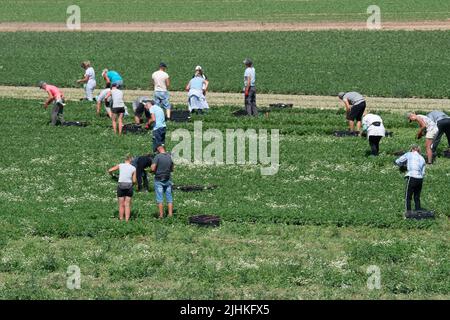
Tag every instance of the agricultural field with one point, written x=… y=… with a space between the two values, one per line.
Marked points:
x=386 y=64
x=281 y=238
x=215 y=10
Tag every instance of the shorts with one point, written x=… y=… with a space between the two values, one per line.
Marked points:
x=161 y=188
x=356 y=112
x=124 y=192
x=118 y=110
x=141 y=110
x=431 y=134
x=162 y=99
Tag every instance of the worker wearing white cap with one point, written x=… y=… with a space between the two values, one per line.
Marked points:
x=199 y=71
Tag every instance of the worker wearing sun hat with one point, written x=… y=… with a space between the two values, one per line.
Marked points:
x=199 y=71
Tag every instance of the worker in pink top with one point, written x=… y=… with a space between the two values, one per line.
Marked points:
x=57 y=97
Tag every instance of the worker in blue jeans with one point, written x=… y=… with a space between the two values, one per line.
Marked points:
x=159 y=129
x=162 y=166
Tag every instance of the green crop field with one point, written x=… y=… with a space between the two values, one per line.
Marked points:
x=215 y=10
x=310 y=231
x=393 y=64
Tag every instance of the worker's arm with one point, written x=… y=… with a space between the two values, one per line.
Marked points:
x=112 y=169
x=84 y=80
x=188 y=86
x=422 y=127
x=168 y=83
x=153 y=167
x=247 y=87
x=134 y=177
x=99 y=106
x=49 y=100
x=347 y=104
x=206 y=85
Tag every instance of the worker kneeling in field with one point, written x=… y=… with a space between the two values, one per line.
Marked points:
x=162 y=166
x=127 y=177
x=415 y=164
x=159 y=128
x=373 y=125
x=443 y=123
x=141 y=163
x=355 y=104
x=427 y=126
x=196 y=98
x=139 y=109
x=57 y=97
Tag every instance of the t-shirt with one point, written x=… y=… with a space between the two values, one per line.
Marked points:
x=126 y=171
x=114 y=76
x=431 y=125
x=164 y=166
x=139 y=101
x=372 y=130
x=90 y=73
x=54 y=91
x=353 y=98
x=117 y=99
x=250 y=72
x=159 y=79
x=436 y=116
x=160 y=118
x=196 y=83
x=101 y=97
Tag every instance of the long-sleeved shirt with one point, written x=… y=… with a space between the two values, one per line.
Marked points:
x=415 y=164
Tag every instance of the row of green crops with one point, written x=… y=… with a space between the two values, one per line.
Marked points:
x=398 y=64
x=216 y=10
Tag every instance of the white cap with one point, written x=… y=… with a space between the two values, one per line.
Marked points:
x=198 y=68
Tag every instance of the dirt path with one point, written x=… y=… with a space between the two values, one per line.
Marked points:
x=227 y=26
x=220 y=99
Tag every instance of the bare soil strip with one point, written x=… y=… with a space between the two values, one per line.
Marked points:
x=217 y=26
x=236 y=99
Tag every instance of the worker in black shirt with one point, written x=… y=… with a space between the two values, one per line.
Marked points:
x=141 y=163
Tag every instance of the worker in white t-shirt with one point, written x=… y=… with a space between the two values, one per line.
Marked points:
x=373 y=125
x=161 y=83
x=427 y=126
x=88 y=80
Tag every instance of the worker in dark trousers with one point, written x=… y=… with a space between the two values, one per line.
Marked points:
x=443 y=123
x=250 y=88
x=415 y=164
x=141 y=163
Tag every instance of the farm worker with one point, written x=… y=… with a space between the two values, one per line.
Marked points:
x=373 y=125
x=355 y=104
x=443 y=123
x=139 y=109
x=196 y=99
x=101 y=98
x=57 y=97
x=428 y=125
x=159 y=128
x=250 y=88
x=162 y=166
x=127 y=177
x=415 y=164
x=88 y=80
x=141 y=163
x=199 y=71
x=112 y=77
x=118 y=107
x=161 y=83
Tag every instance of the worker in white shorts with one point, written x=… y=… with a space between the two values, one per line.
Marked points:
x=88 y=80
x=431 y=128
